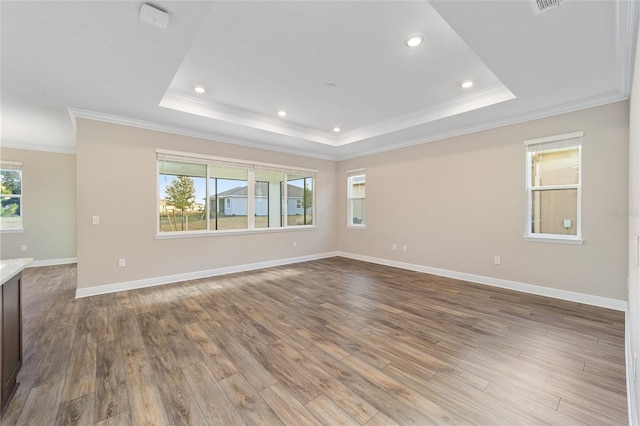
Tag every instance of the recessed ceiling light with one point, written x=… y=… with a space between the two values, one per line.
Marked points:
x=336 y=129
x=330 y=86
x=282 y=113
x=414 y=41
x=199 y=89
x=466 y=84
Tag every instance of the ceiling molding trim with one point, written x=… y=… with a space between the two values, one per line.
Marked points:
x=480 y=99
x=36 y=147
x=176 y=130
x=521 y=118
x=189 y=104
x=516 y=119
x=192 y=105
x=626 y=39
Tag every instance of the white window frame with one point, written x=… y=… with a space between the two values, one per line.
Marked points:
x=350 y=175
x=251 y=166
x=15 y=165
x=553 y=143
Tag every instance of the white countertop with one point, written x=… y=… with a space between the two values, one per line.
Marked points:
x=9 y=268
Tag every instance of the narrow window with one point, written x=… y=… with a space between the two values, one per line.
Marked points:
x=356 y=200
x=554 y=188
x=11 y=196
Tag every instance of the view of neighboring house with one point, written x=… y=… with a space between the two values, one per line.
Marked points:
x=233 y=202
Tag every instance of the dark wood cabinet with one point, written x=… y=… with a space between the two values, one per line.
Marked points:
x=10 y=337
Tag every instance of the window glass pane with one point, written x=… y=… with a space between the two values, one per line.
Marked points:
x=299 y=200
x=357 y=200
x=555 y=167
x=261 y=204
x=554 y=212
x=268 y=208
x=228 y=200
x=182 y=195
x=308 y=201
x=11 y=181
x=357 y=211
x=10 y=215
x=357 y=186
x=11 y=190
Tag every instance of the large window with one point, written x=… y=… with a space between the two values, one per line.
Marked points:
x=554 y=188
x=356 y=198
x=11 y=196
x=208 y=194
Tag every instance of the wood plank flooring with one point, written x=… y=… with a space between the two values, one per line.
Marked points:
x=333 y=341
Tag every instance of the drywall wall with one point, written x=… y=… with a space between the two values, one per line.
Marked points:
x=48 y=207
x=459 y=202
x=633 y=315
x=117 y=182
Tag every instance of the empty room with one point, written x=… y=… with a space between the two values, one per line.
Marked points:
x=319 y=212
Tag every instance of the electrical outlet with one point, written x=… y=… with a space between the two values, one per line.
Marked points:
x=496 y=260
x=294 y=244
x=404 y=248
x=122 y=263
x=95 y=220
x=23 y=247
x=394 y=246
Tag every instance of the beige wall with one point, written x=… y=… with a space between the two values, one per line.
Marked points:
x=633 y=319
x=117 y=181
x=459 y=202
x=48 y=206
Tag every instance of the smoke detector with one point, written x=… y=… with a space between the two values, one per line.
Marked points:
x=544 y=5
x=154 y=16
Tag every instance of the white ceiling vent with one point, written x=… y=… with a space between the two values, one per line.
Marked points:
x=544 y=5
x=154 y=16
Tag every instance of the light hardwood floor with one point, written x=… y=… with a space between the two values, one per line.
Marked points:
x=334 y=341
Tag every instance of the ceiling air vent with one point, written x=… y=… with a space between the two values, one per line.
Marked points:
x=544 y=5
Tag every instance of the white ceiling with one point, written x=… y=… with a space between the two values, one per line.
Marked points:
x=96 y=59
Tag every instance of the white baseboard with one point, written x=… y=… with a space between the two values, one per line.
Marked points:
x=631 y=390
x=618 y=305
x=53 y=262
x=169 y=279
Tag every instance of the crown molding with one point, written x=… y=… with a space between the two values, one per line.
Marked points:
x=182 y=131
x=609 y=98
x=515 y=119
x=192 y=105
x=479 y=99
x=43 y=148
x=627 y=28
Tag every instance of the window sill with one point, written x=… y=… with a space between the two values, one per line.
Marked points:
x=200 y=234
x=11 y=231
x=361 y=227
x=554 y=240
